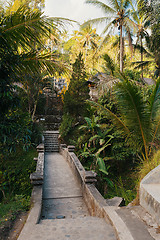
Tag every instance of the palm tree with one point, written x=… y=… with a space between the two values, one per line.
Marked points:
x=88 y=41
x=149 y=15
x=117 y=15
x=142 y=24
x=19 y=32
x=139 y=118
x=33 y=4
x=88 y=38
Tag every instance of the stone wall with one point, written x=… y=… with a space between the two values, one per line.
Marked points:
x=93 y=199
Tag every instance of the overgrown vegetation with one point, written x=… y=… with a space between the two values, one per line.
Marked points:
x=120 y=136
x=116 y=134
x=24 y=32
x=15 y=186
x=75 y=106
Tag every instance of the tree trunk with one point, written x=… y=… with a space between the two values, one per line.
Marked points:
x=34 y=110
x=141 y=58
x=121 y=49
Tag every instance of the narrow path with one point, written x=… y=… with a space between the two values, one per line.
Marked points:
x=64 y=213
x=62 y=196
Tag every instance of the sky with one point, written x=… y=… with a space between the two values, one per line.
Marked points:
x=73 y=9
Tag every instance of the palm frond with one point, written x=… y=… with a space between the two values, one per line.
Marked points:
x=155 y=101
x=154 y=109
x=109 y=63
x=134 y=112
x=32 y=62
x=140 y=64
x=24 y=27
x=89 y=121
x=125 y=3
x=130 y=24
x=143 y=50
x=95 y=21
x=118 y=122
x=115 y=4
x=105 y=8
x=109 y=28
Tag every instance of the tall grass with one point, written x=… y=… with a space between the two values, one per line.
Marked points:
x=146 y=166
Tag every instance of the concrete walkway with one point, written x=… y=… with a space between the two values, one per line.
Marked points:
x=64 y=213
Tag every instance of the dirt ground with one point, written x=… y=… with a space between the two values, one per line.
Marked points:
x=12 y=229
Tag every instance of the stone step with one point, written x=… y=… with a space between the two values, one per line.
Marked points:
x=46 y=135
x=52 y=146
x=50 y=137
x=51 y=132
x=52 y=150
x=86 y=228
x=89 y=228
x=51 y=141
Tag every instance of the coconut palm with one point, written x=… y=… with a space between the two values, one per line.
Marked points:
x=33 y=4
x=139 y=118
x=117 y=16
x=149 y=11
x=151 y=50
x=20 y=31
x=87 y=41
x=88 y=38
x=152 y=40
x=142 y=25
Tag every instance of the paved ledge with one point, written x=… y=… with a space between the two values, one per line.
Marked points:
x=36 y=198
x=150 y=193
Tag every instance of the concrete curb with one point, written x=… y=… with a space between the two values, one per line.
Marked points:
x=123 y=232
x=36 y=198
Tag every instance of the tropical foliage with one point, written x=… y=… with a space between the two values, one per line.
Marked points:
x=75 y=107
x=139 y=117
x=117 y=16
x=22 y=54
x=113 y=133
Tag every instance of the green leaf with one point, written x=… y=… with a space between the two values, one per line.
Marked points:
x=103 y=171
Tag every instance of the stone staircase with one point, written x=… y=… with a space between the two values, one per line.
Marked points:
x=51 y=141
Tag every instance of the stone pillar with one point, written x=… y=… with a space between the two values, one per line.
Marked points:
x=71 y=148
x=37 y=177
x=90 y=177
x=63 y=145
x=40 y=148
